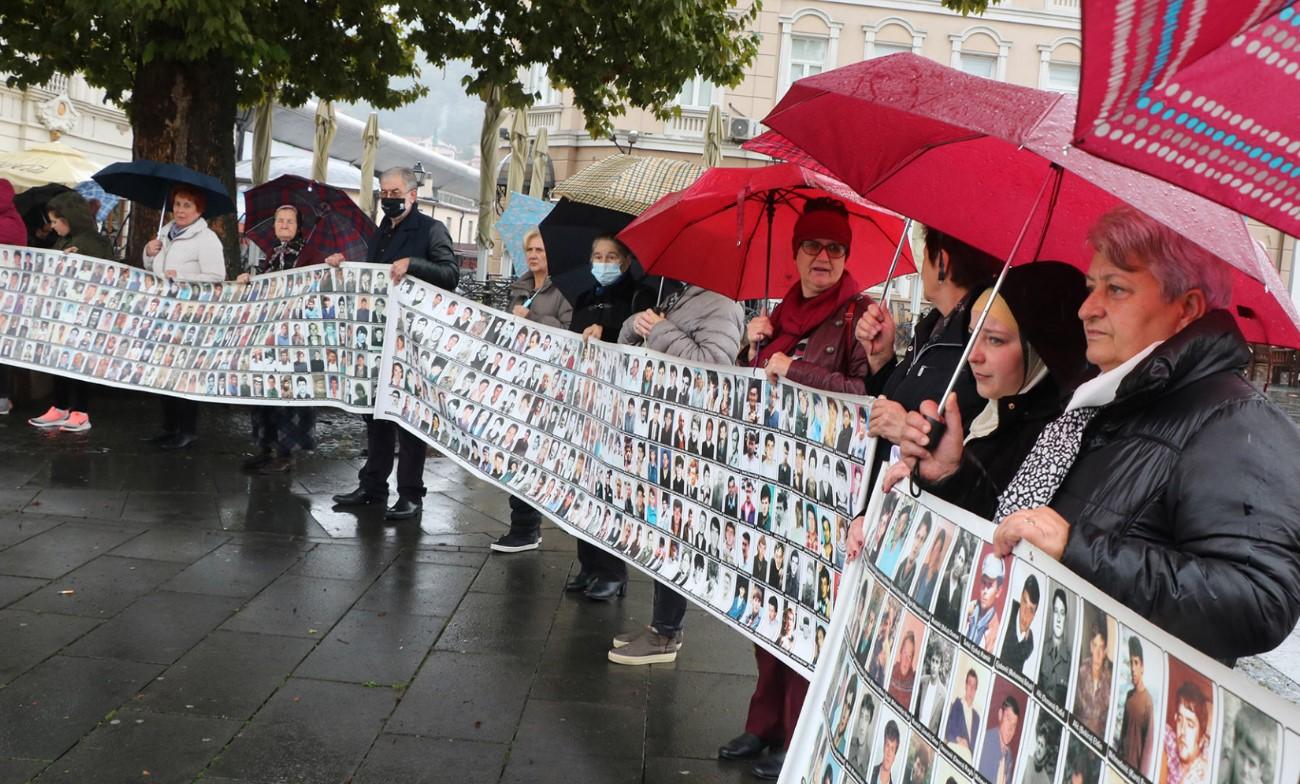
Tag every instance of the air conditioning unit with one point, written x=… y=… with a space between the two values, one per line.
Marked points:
x=742 y=129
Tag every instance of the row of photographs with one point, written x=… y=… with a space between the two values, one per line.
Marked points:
x=787 y=608
x=760 y=526
x=914 y=698
x=348 y=278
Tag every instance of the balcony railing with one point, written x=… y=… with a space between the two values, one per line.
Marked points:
x=691 y=124
x=1064 y=6
x=548 y=118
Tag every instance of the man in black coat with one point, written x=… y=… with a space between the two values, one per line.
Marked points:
x=413 y=244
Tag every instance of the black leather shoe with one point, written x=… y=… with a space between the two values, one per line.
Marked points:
x=404 y=509
x=602 y=590
x=178 y=441
x=359 y=497
x=580 y=582
x=743 y=746
x=769 y=768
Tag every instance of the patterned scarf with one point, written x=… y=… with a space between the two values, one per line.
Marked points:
x=1048 y=462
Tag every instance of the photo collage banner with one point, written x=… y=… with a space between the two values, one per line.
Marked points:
x=302 y=337
x=737 y=492
x=947 y=664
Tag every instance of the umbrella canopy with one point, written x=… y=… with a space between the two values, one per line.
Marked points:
x=150 y=183
x=628 y=184
x=487 y=149
x=325 y=128
x=524 y=213
x=92 y=190
x=518 y=152
x=713 y=133
x=970 y=156
x=41 y=164
x=741 y=221
x=329 y=220
x=369 y=151
x=262 y=142
x=568 y=232
x=541 y=151
x=1207 y=101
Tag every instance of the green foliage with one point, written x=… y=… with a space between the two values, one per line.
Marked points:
x=611 y=54
x=968 y=7
x=338 y=49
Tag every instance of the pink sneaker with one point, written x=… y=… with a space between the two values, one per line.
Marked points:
x=52 y=418
x=76 y=423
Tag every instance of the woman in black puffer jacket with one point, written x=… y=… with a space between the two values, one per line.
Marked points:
x=1169 y=482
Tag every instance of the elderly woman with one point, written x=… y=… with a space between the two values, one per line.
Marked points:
x=808 y=339
x=952 y=274
x=695 y=325
x=599 y=314
x=73 y=220
x=533 y=296
x=185 y=250
x=1169 y=482
x=1027 y=359
x=280 y=431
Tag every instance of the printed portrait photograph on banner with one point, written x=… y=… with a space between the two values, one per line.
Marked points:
x=1057 y=666
x=1002 y=732
x=1250 y=745
x=1040 y=759
x=933 y=685
x=951 y=594
x=1187 y=735
x=902 y=676
x=1022 y=637
x=1082 y=764
x=1139 y=702
x=1095 y=675
x=887 y=753
x=982 y=619
x=967 y=701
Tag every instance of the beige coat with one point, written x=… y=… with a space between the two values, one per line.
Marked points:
x=703 y=326
x=549 y=306
x=195 y=255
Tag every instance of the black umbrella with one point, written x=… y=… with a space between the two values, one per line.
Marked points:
x=150 y=183
x=31 y=205
x=568 y=233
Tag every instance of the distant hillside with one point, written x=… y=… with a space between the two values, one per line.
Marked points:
x=447 y=114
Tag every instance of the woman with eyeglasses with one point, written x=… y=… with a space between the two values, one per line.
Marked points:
x=808 y=339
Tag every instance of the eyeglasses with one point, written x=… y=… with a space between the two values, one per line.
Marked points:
x=834 y=250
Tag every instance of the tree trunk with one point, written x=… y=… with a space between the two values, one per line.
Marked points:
x=184 y=113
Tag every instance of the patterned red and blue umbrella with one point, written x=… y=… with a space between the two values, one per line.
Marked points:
x=329 y=220
x=1203 y=95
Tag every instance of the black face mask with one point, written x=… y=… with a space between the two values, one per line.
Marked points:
x=393 y=208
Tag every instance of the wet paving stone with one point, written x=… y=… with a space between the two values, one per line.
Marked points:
x=14 y=528
x=18 y=771
x=14 y=588
x=297 y=606
x=101 y=588
x=31 y=638
x=197 y=510
x=171 y=544
x=691 y=714
x=378 y=648
x=49 y=708
x=275 y=513
x=228 y=674
x=138 y=745
x=310 y=731
x=678 y=770
x=237 y=569
x=490 y=623
x=61 y=549
x=551 y=728
x=529 y=768
x=417 y=588
x=410 y=760
x=158 y=628
x=78 y=502
x=363 y=561
x=468 y=696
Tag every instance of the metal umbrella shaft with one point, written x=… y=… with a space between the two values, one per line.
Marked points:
x=767 y=268
x=939 y=425
x=893 y=264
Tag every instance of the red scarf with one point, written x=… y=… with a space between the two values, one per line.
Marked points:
x=797 y=316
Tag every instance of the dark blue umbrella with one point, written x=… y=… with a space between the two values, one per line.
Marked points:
x=150 y=183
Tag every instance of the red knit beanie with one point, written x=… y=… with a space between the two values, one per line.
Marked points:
x=823 y=219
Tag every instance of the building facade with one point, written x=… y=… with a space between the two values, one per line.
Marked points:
x=70 y=110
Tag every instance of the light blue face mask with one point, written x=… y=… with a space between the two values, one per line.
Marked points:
x=606 y=273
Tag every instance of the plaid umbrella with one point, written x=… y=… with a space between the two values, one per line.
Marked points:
x=628 y=184
x=329 y=220
x=93 y=190
x=524 y=213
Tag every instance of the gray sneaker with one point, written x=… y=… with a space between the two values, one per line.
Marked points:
x=5 y=406
x=649 y=648
x=624 y=640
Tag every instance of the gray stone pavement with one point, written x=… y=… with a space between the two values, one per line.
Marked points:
x=165 y=618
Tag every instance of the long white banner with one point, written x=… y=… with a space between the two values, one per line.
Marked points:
x=945 y=664
x=306 y=337
x=737 y=492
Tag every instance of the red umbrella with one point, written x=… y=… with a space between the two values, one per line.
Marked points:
x=329 y=220
x=724 y=231
x=1205 y=99
x=971 y=156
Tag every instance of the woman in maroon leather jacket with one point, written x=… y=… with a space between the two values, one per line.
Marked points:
x=808 y=340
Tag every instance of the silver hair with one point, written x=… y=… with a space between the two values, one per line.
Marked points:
x=1125 y=235
x=408 y=176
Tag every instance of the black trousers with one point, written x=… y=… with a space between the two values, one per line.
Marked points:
x=603 y=564
x=670 y=611
x=71 y=394
x=180 y=415
x=524 y=517
x=381 y=437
